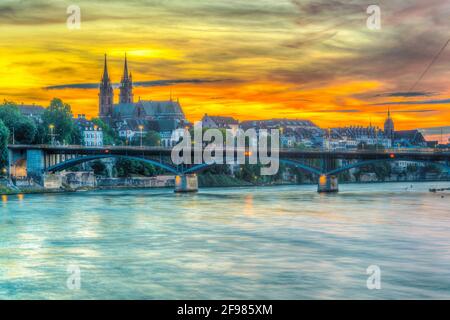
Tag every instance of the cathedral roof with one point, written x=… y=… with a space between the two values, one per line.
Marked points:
x=124 y=110
x=159 y=108
x=410 y=135
x=154 y=109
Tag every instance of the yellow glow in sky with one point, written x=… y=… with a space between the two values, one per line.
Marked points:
x=260 y=59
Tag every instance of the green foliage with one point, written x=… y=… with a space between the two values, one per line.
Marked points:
x=41 y=136
x=59 y=114
x=344 y=176
x=208 y=179
x=25 y=131
x=23 y=128
x=127 y=168
x=218 y=169
x=99 y=167
x=431 y=168
x=4 y=136
x=412 y=168
x=152 y=139
x=381 y=170
x=249 y=172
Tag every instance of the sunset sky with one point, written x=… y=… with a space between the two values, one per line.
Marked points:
x=249 y=59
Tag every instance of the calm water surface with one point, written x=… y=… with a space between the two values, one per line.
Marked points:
x=262 y=243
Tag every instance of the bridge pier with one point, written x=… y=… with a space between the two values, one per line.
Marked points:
x=328 y=184
x=186 y=183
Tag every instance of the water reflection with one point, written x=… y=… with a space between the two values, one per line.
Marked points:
x=283 y=242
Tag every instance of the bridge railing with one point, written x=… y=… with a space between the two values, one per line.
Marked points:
x=287 y=150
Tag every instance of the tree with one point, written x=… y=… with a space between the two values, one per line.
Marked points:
x=41 y=136
x=382 y=170
x=59 y=115
x=4 y=136
x=23 y=128
x=128 y=167
x=431 y=168
x=99 y=167
x=152 y=138
x=249 y=172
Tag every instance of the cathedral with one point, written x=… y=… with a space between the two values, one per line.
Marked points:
x=127 y=110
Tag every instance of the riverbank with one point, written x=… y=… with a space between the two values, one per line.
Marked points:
x=216 y=182
x=12 y=192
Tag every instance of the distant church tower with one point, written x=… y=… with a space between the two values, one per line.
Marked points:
x=389 y=126
x=126 y=85
x=105 y=95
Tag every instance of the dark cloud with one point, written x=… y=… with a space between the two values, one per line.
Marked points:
x=337 y=111
x=412 y=111
x=418 y=102
x=32 y=12
x=155 y=83
x=406 y=94
x=396 y=55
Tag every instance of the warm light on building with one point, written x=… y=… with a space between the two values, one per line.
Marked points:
x=323 y=180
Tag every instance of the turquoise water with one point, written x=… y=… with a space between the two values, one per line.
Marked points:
x=250 y=243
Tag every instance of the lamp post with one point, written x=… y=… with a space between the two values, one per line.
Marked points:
x=141 y=128
x=52 y=127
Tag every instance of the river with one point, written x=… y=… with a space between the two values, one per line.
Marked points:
x=284 y=242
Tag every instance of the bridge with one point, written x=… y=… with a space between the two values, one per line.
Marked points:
x=36 y=160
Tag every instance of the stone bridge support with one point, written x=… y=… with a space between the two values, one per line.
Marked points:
x=328 y=184
x=186 y=183
x=35 y=163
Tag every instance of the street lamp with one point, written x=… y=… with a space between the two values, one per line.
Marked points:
x=95 y=135
x=141 y=128
x=52 y=127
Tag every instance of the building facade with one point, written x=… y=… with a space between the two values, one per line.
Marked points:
x=91 y=134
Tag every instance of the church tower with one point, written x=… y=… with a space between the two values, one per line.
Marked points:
x=105 y=95
x=126 y=85
x=389 y=126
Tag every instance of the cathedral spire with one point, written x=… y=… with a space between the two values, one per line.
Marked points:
x=125 y=68
x=106 y=94
x=105 y=77
x=126 y=85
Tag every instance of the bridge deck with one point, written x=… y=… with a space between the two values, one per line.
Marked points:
x=406 y=154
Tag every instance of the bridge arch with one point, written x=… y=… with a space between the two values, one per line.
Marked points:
x=302 y=166
x=197 y=168
x=369 y=162
x=292 y=163
x=76 y=161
